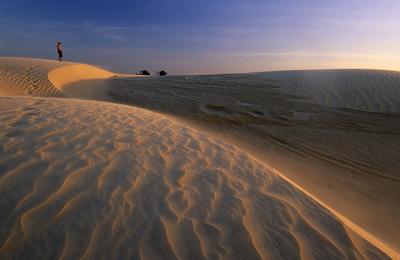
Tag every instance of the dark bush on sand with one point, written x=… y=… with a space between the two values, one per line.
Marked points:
x=163 y=73
x=144 y=72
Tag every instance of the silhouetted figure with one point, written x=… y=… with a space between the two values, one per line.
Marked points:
x=162 y=73
x=60 y=51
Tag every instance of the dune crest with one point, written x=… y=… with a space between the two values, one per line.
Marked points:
x=136 y=184
x=193 y=196
x=28 y=77
x=81 y=81
x=347 y=158
x=38 y=77
x=367 y=90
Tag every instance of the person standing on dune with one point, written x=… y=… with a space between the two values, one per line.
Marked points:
x=60 y=51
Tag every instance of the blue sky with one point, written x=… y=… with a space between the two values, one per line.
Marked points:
x=194 y=37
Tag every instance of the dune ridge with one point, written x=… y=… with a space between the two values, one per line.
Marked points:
x=136 y=184
x=64 y=75
x=347 y=158
x=38 y=77
x=367 y=90
x=393 y=253
x=26 y=76
x=116 y=155
x=81 y=81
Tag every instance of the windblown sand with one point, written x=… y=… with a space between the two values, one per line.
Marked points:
x=348 y=158
x=89 y=179
x=197 y=179
x=367 y=90
x=24 y=76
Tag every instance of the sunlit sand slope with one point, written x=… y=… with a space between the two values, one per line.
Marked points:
x=37 y=77
x=77 y=72
x=349 y=159
x=81 y=81
x=367 y=90
x=96 y=180
x=25 y=76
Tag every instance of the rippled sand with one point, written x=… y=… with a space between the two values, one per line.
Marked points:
x=367 y=90
x=347 y=158
x=24 y=76
x=197 y=179
x=94 y=179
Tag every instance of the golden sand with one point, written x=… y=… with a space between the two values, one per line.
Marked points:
x=83 y=179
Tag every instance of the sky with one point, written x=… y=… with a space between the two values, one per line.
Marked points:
x=202 y=37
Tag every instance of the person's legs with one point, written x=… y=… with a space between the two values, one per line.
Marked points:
x=60 y=56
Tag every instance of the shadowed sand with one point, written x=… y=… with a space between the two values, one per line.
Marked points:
x=347 y=158
x=367 y=90
x=36 y=77
x=71 y=81
x=88 y=179
x=84 y=178
x=24 y=76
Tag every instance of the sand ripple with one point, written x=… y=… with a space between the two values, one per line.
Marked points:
x=24 y=76
x=367 y=90
x=96 y=180
x=38 y=77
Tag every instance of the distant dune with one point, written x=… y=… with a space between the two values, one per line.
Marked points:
x=195 y=175
x=367 y=90
x=347 y=158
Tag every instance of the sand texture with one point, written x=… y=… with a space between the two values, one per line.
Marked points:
x=73 y=81
x=347 y=158
x=36 y=77
x=93 y=179
x=367 y=90
x=23 y=76
x=197 y=167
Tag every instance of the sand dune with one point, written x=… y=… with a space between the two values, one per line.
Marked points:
x=89 y=179
x=367 y=90
x=37 y=77
x=24 y=76
x=348 y=159
x=81 y=81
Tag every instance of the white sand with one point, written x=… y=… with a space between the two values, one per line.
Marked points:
x=24 y=76
x=84 y=179
x=36 y=77
x=81 y=81
x=348 y=159
x=367 y=90
x=87 y=179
